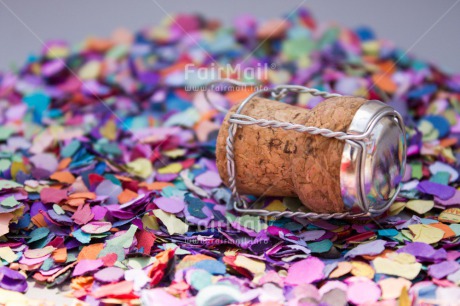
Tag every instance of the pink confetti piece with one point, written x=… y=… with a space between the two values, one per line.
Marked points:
x=306 y=271
x=170 y=205
x=209 y=179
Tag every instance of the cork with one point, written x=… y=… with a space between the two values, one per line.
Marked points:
x=275 y=162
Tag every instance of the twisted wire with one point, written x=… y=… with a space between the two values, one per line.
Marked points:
x=246 y=120
x=298 y=214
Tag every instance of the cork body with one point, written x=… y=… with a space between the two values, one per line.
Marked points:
x=275 y=162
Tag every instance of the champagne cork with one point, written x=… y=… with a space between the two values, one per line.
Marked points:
x=276 y=162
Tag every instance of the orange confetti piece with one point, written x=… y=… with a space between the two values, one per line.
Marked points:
x=342 y=269
x=60 y=255
x=123 y=178
x=126 y=196
x=84 y=195
x=448 y=142
x=387 y=67
x=179 y=66
x=91 y=251
x=121 y=288
x=39 y=220
x=190 y=260
x=156 y=185
x=81 y=282
x=384 y=82
x=448 y=232
x=63 y=177
x=63 y=164
x=76 y=202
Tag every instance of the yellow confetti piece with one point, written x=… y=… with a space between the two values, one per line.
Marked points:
x=254 y=266
x=90 y=70
x=360 y=268
x=141 y=167
x=150 y=222
x=404 y=299
x=390 y=267
x=57 y=52
x=16 y=167
x=392 y=287
x=450 y=215
x=407 y=234
x=403 y=258
x=7 y=254
x=428 y=131
x=426 y=233
x=275 y=205
x=175 y=153
x=109 y=130
x=171 y=168
x=396 y=208
x=172 y=223
x=420 y=206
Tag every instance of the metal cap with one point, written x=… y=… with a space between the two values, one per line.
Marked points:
x=372 y=167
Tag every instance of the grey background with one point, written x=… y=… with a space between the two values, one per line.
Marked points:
x=428 y=28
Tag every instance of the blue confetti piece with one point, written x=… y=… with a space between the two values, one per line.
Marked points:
x=214 y=267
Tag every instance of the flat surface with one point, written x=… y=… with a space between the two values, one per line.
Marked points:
x=426 y=28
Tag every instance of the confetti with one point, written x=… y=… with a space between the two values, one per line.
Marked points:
x=392 y=267
x=363 y=291
x=426 y=233
x=443 y=269
x=371 y=248
x=297 y=276
x=392 y=288
x=420 y=206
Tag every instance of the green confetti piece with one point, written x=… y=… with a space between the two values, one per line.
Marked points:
x=70 y=149
x=47 y=264
x=441 y=178
x=10 y=202
x=320 y=246
x=297 y=48
x=5 y=133
x=58 y=209
x=200 y=279
x=417 y=170
x=140 y=262
x=124 y=240
x=455 y=228
x=116 y=249
x=5 y=164
x=5 y=184
x=38 y=234
x=251 y=222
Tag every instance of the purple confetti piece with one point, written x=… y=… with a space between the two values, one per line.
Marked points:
x=87 y=265
x=441 y=191
x=443 y=269
x=12 y=280
x=109 y=275
x=371 y=248
x=171 y=205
